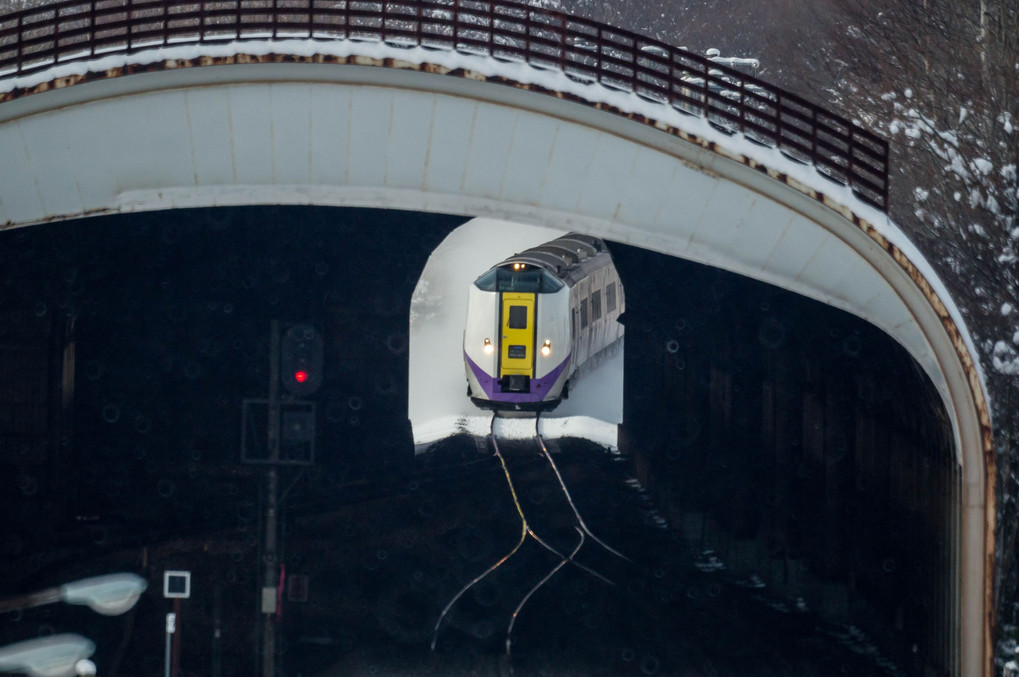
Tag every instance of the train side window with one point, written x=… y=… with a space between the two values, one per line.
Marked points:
x=518 y=317
x=610 y=297
x=583 y=314
x=595 y=305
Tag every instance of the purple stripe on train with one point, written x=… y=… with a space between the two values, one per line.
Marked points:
x=539 y=386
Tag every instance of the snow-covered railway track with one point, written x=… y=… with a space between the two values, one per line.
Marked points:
x=536 y=446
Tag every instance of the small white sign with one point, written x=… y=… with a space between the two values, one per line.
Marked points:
x=177 y=584
x=171 y=623
x=269 y=599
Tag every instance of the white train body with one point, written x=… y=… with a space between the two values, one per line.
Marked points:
x=535 y=318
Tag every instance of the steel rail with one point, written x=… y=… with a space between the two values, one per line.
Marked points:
x=543 y=581
x=569 y=499
x=523 y=536
x=526 y=531
x=38 y=38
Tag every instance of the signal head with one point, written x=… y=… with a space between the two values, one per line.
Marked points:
x=301 y=357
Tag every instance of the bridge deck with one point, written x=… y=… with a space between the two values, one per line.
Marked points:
x=71 y=32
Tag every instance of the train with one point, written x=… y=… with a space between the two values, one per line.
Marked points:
x=534 y=319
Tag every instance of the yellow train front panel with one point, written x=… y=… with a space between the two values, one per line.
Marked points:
x=517 y=339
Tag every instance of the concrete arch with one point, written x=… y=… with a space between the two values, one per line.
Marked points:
x=346 y=135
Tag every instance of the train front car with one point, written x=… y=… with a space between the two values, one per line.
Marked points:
x=528 y=322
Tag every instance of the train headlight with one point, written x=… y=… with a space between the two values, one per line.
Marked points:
x=546 y=348
x=488 y=347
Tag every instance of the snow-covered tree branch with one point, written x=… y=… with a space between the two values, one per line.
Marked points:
x=942 y=82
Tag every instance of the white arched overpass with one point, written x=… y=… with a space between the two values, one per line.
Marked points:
x=417 y=137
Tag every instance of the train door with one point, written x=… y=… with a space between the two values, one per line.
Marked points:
x=517 y=344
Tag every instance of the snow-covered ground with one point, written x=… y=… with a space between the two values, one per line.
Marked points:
x=438 y=405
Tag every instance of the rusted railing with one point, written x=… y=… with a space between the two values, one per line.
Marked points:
x=35 y=39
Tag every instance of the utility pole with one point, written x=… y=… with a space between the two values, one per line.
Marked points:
x=269 y=579
x=295 y=363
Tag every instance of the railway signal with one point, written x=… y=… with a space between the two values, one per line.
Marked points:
x=301 y=357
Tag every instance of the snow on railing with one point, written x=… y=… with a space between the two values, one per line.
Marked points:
x=33 y=40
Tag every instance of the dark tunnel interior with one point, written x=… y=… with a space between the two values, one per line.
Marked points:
x=799 y=443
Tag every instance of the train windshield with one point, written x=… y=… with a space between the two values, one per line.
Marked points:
x=529 y=279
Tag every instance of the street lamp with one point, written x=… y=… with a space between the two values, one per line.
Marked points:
x=109 y=595
x=67 y=654
x=53 y=656
x=84 y=667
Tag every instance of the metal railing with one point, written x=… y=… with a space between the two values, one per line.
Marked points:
x=35 y=39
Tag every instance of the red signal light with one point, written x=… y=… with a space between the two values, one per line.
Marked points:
x=301 y=360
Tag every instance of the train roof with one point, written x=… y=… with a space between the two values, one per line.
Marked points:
x=569 y=257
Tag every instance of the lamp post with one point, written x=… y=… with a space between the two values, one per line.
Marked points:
x=53 y=656
x=109 y=595
x=67 y=654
